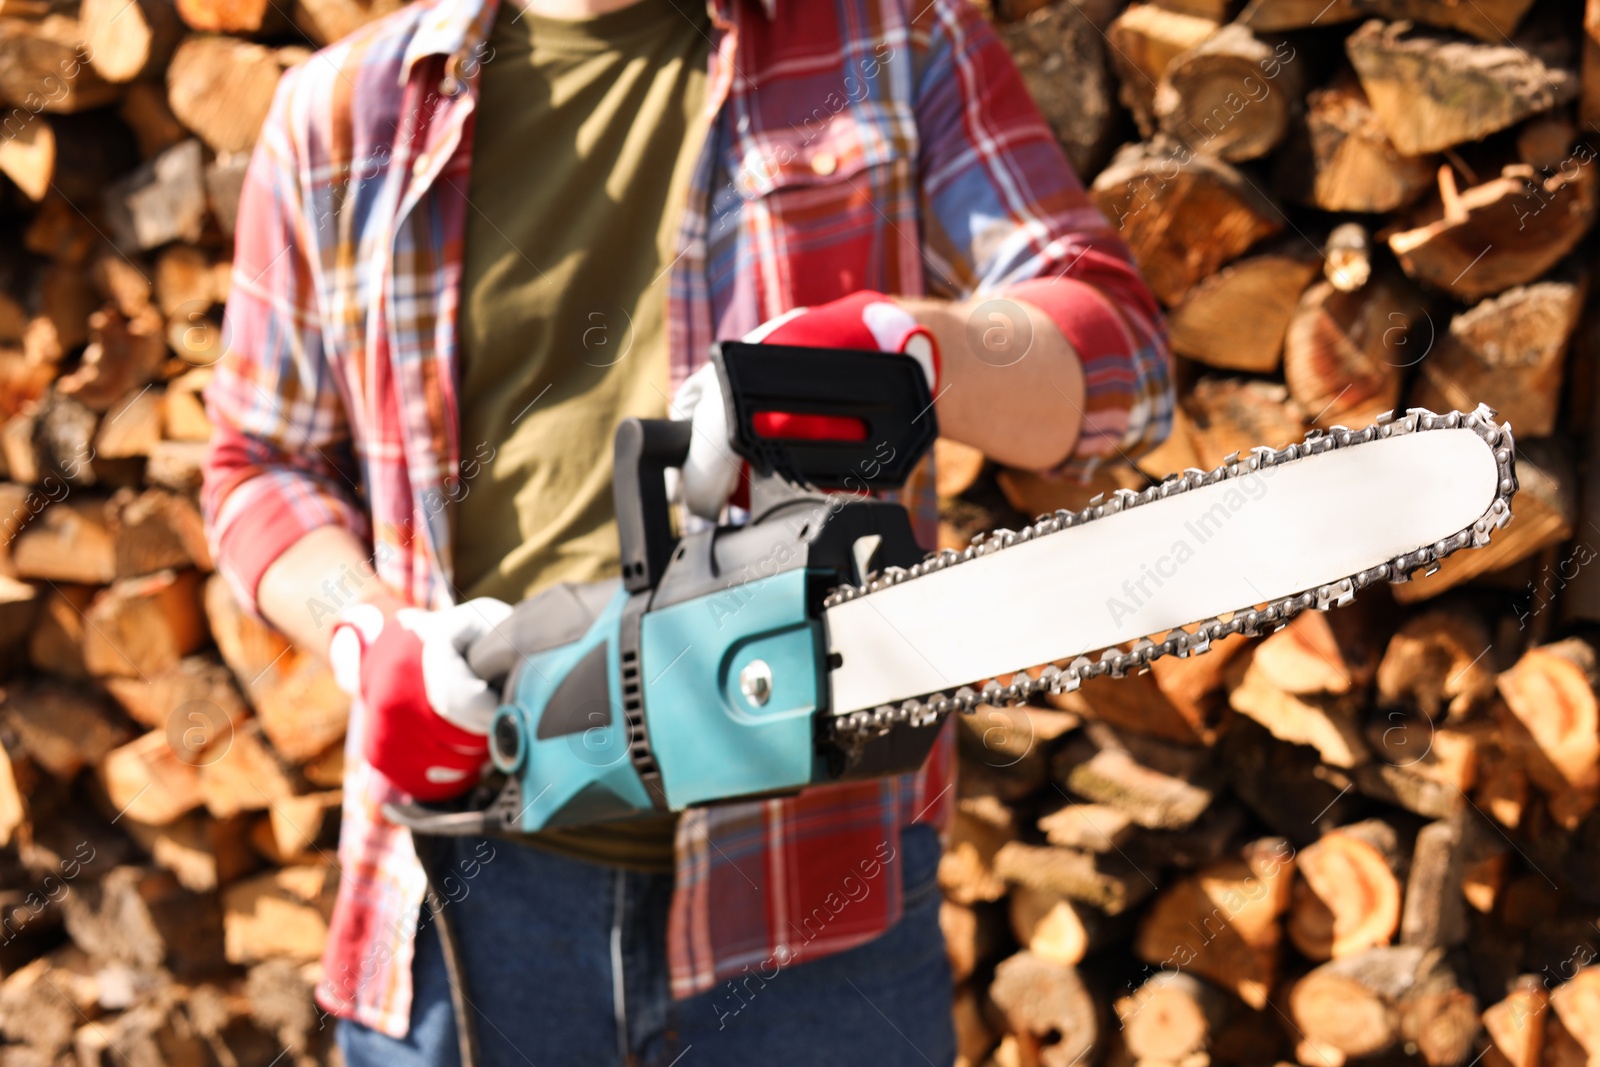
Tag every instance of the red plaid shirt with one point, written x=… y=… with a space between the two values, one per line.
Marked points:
x=860 y=144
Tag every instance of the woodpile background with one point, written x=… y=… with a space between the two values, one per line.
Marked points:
x=1371 y=836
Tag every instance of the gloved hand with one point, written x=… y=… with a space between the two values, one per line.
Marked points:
x=427 y=713
x=864 y=320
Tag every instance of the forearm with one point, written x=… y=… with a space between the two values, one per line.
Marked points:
x=323 y=572
x=1010 y=383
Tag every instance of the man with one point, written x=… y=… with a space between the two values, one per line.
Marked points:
x=476 y=235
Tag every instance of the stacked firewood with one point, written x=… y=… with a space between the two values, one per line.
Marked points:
x=170 y=768
x=1368 y=836
x=1372 y=835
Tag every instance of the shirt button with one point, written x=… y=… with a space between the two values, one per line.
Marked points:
x=824 y=163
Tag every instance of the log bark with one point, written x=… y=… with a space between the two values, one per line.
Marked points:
x=1345 y=353
x=129 y=39
x=1033 y=493
x=63 y=728
x=1431 y=91
x=1144 y=39
x=1061 y=55
x=221 y=88
x=176 y=465
x=1338 y=157
x=142 y=916
x=1348 y=897
x=164 y=200
x=1505 y=232
x=1116 y=778
x=1109 y=883
x=1435 y=913
x=224 y=182
x=1183 y=214
x=1047 y=1007
x=1236 y=318
x=1285 y=785
x=1508 y=352
x=42 y=1003
x=1232 y=95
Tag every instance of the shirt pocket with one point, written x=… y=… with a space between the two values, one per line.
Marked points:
x=831 y=209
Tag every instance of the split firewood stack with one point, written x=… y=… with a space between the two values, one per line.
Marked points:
x=1371 y=836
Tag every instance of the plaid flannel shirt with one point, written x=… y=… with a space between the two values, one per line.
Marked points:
x=879 y=144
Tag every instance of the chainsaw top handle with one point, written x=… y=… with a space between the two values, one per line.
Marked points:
x=809 y=418
x=829 y=418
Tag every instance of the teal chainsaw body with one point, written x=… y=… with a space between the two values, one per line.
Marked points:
x=702 y=674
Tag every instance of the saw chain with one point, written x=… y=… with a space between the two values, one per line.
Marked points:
x=856 y=728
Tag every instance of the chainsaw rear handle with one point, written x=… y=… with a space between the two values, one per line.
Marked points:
x=644 y=449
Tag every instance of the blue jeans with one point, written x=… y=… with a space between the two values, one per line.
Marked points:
x=567 y=964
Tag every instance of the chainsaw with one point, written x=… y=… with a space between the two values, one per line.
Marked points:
x=817 y=643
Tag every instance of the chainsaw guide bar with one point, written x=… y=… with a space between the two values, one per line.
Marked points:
x=874 y=632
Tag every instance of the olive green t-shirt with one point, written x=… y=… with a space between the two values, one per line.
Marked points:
x=586 y=134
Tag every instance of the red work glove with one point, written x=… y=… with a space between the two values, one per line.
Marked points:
x=864 y=320
x=427 y=713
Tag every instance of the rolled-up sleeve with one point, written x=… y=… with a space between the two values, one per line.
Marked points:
x=279 y=464
x=1005 y=215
